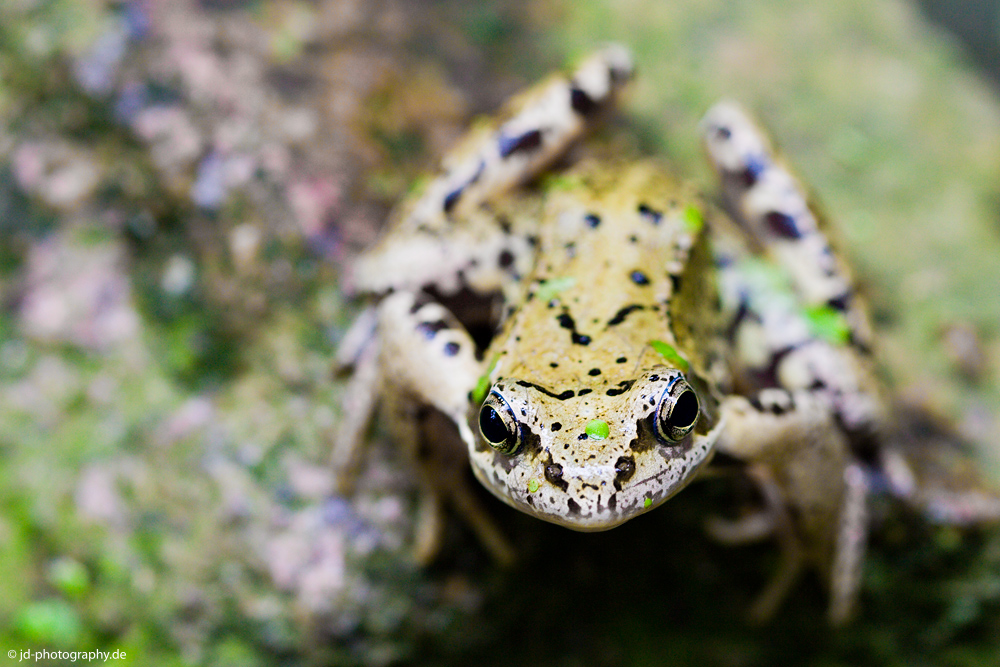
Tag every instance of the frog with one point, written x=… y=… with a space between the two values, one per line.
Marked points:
x=596 y=331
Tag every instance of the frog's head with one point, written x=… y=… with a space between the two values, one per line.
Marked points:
x=592 y=459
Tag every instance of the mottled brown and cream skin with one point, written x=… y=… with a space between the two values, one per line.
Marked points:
x=619 y=246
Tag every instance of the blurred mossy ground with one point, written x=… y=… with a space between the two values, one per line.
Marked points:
x=168 y=278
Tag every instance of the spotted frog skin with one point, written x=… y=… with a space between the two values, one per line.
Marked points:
x=624 y=332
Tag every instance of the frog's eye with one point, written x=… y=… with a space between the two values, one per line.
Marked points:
x=498 y=425
x=677 y=412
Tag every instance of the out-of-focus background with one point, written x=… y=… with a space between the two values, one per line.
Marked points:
x=180 y=185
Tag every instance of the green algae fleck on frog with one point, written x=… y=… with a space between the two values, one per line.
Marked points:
x=597 y=334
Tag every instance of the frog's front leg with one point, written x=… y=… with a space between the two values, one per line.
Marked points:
x=814 y=493
x=426 y=365
x=427 y=354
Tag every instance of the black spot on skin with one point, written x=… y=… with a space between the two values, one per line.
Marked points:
x=582 y=436
x=573 y=507
x=624 y=469
x=593 y=372
x=623 y=313
x=553 y=364
x=418 y=303
x=569 y=393
x=554 y=474
x=430 y=329
x=592 y=220
x=782 y=225
x=584 y=392
x=612 y=502
x=556 y=426
x=528 y=141
x=773 y=408
x=621 y=360
x=566 y=322
x=504 y=223
x=654 y=378
x=451 y=199
x=451 y=348
x=531 y=442
x=840 y=302
x=650 y=214
x=505 y=259
x=645 y=434
x=723 y=133
x=756 y=164
x=633 y=239
x=675 y=283
x=581 y=102
x=639 y=278
x=623 y=386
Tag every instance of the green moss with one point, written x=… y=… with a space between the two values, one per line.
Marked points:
x=52 y=623
x=693 y=219
x=483 y=384
x=69 y=577
x=670 y=355
x=548 y=289
x=829 y=324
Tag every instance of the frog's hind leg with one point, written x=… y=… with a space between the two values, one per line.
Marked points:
x=811 y=404
x=764 y=196
x=446 y=235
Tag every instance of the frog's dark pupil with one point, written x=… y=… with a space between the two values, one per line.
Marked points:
x=492 y=426
x=685 y=411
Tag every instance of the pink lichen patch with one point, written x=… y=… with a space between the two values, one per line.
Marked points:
x=77 y=294
x=61 y=174
x=97 y=495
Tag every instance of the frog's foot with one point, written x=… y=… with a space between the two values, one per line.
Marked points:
x=360 y=350
x=442 y=462
x=753 y=527
x=850 y=545
x=772 y=520
x=430 y=522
